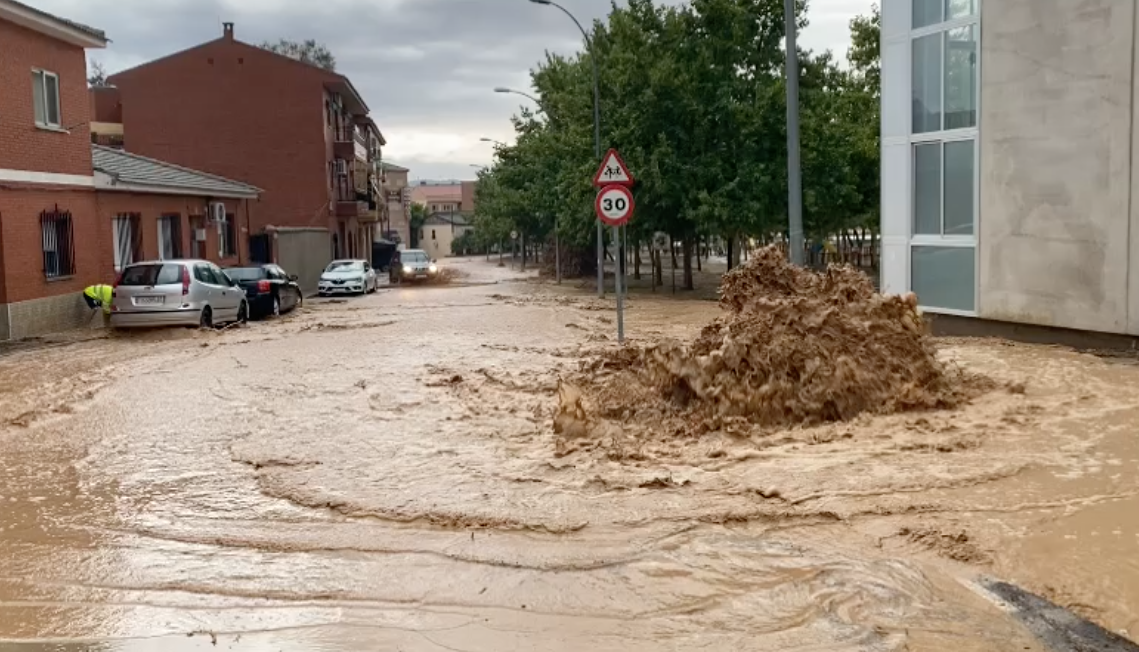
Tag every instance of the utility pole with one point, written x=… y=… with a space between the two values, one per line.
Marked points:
x=794 y=167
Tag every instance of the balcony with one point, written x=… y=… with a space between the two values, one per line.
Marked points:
x=344 y=142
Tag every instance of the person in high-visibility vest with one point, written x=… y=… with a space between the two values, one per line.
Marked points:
x=98 y=296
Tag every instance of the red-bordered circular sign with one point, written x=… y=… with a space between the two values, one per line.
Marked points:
x=614 y=205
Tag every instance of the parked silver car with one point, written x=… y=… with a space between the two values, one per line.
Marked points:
x=176 y=293
x=348 y=277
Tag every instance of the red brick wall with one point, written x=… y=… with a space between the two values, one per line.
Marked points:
x=21 y=257
x=152 y=207
x=238 y=111
x=106 y=105
x=23 y=146
x=20 y=237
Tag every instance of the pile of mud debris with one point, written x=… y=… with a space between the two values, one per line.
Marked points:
x=796 y=347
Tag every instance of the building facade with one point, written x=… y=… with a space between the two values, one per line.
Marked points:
x=439 y=233
x=446 y=197
x=397 y=205
x=300 y=132
x=72 y=213
x=1008 y=167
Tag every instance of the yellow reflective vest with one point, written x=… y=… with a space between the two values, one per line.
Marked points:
x=101 y=294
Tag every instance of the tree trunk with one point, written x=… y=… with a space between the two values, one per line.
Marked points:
x=699 y=246
x=672 y=250
x=658 y=267
x=637 y=261
x=688 y=280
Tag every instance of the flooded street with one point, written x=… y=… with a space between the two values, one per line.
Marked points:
x=381 y=473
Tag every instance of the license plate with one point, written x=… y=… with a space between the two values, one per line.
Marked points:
x=149 y=301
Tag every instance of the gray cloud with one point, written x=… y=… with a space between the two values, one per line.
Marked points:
x=426 y=67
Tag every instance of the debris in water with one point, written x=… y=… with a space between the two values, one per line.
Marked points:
x=797 y=347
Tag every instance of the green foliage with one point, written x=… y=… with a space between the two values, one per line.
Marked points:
x=308 y=51
x=467 y=243
x=693 y=96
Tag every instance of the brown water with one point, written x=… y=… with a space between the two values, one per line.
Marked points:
x=381 y=473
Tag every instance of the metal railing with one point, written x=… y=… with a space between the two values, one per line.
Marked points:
x=58 y=243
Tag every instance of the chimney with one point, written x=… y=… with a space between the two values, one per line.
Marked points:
x=227 y=31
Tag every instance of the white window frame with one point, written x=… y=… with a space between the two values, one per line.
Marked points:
x=223 y=225
x=45 y=75
x=943 y=136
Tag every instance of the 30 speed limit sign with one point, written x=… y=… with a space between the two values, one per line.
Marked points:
x=614 y=205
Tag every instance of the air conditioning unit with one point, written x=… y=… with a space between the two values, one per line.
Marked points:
x=217 y=212
x=342 y=167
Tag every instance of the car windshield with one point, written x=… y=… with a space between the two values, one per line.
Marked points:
x=345 y=266
x=247 y=273
x=154 y=274
x=413 y=257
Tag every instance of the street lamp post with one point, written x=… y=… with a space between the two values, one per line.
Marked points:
x=557 y=237
x=596 y=151
x=794 y=169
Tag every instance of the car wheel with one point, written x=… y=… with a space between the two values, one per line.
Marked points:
x=243 y=313
x=276 y=307
x=207 y=320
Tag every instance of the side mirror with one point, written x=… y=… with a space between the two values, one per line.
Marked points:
x=294 y=277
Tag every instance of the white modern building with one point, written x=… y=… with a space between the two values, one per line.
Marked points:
x=1009 y=179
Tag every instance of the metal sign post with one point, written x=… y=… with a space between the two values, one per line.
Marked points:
x=614 y=207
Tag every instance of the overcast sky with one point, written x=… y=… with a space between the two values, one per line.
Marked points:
x=426 y=67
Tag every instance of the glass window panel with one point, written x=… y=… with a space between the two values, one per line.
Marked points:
x=927 y=189
x=959 y=177
x=927 y=12
x=38 y=97
x=51 y=83
x=961 y=78
x=927 y=84
x=943 y=277
x=959 y=8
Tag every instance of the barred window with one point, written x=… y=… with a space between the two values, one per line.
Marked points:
x=127 y=233
x=58 y=243
x=170 y=237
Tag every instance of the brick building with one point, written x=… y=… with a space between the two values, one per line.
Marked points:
x=64 y=203
x=300 y=132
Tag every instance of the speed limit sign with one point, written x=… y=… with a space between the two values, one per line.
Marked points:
x=614 y=205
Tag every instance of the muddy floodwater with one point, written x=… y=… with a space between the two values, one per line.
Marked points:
x=382 y=473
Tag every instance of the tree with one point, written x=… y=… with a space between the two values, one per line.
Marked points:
x=417 y=214
x=309 y=52
x=96 y=75
x=693 y=97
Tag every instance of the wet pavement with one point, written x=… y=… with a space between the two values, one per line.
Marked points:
x=380 y=473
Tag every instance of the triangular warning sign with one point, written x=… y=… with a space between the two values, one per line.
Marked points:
x=613 y=171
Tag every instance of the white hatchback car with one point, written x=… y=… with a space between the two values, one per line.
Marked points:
x=176 y=293
x=348 y=277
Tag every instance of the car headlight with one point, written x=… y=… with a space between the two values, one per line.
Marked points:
x=433 y=269
x=406 y=269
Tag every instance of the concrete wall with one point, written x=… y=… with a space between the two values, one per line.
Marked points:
x=304 y=252
x=1057 y=180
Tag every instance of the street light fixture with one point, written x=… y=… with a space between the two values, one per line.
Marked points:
x=491 y=140
x=597 y=155
x=503 y=89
